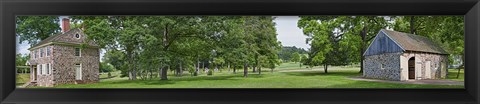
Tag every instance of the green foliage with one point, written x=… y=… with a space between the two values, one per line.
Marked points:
x=33 y=29
x=209 y=72
x=286 y=52
x=106 y=67
x=337 y=40
x=447 y=31
x=20 y=59
x=296 y=57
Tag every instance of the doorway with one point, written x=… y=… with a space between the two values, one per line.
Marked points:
x=411 y=68
x=34 y=73
x=78 y=72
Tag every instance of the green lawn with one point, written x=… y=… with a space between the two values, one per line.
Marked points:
x=452 y=75
x=22 y=79
x=286 y=76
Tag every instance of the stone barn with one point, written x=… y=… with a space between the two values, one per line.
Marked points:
x=64 y=58
x=401 y=56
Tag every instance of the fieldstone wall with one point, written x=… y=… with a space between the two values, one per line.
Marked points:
x=391 y=66
x=65 y=62
x=69 y=37
x=42 y=79
x=438 y=65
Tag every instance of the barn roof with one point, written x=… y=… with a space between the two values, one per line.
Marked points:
x=411 y=42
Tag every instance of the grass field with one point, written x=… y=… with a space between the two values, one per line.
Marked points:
x=22 y=79
x=288 y=75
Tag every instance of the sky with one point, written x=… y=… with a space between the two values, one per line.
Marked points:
x=288 y=34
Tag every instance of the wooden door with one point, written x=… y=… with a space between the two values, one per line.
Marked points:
x=411 y=69
x=428 y=70
x=34 y=72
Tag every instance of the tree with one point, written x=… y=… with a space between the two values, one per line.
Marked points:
x=106 y=67
x=338 y=35
x=20 y=60
x=33 y=29
x=444 y=30
x=296 y=57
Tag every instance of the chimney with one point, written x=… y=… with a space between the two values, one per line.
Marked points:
x=65 y=24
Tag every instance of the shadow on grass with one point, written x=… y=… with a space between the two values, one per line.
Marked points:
x=174 y=79
x=321 y=73
x=366 y=84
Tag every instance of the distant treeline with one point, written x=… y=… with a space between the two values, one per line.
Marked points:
x=287 y=52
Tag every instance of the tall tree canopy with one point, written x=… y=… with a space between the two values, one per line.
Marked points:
x=33 y=29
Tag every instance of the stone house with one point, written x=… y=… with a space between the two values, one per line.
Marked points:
x=64 y=58
x=401 y=56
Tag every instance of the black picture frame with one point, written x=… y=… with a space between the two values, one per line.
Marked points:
x=9 y=94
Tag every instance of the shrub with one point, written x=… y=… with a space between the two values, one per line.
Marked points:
x=210 y=72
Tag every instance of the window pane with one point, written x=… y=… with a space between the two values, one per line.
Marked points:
x=77 y=51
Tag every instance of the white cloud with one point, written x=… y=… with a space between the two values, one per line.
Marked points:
x=22 y=48
x=288 y=32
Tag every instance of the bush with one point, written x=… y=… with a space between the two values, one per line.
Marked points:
x=210 y=72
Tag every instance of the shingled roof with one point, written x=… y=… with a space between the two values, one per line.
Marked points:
x=411 y=42
x=58 y=38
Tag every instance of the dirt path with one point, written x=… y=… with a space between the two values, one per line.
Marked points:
x=432 y=82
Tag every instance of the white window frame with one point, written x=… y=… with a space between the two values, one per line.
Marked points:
x=79 y=52
x=41 y=52
x=35 y=54
x=50 y=68
x=47 y=51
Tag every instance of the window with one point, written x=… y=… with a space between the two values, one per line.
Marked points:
x=48 y=51
x=44 y=69
x=41 y=52
x=48 y=68
x=77 y=36
x=51 y=69
x=78 y=52
x=40 y=69
x=35 y=53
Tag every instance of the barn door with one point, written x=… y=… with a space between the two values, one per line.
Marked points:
x=411 y=68
x=427 y=70
x=78 y=72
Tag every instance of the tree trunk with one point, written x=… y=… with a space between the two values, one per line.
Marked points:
x=461 y=66
x=254 y=67
x=234 y=69
x=181 y=69
x=363 y=34
x=245 y=70
x=325 y=67
x=259 y=70
x=164 y=74
x=228 y=67
x=203 y=66
x=412 y=25
x=197 y=67
x=165 y=43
